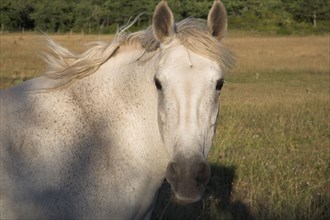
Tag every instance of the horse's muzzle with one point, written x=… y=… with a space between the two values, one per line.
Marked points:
x=188 y=177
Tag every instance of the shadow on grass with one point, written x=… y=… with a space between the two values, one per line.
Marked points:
x=216 y=203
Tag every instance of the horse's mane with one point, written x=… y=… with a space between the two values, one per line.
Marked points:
x=67 y=67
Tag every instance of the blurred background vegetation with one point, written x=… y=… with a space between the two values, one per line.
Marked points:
x=104 y=16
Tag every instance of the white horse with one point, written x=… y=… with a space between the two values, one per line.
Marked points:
x=95 y=136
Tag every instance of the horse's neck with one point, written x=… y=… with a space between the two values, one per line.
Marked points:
x=121 y=102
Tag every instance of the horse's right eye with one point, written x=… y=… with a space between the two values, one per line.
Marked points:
x=219 y=84
x=158 y=84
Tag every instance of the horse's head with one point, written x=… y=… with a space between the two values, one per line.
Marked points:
x=188 y=84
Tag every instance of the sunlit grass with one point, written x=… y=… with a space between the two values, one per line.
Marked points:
x=281 y=156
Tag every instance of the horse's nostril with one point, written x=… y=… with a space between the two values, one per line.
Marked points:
x=173 y=168
x=204 y=173
x=202 y=167
x=172 y=172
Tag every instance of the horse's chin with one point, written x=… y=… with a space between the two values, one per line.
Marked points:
x=184 y=200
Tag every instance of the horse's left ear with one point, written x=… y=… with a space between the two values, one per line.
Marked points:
x=217 y=20
x=163 y=22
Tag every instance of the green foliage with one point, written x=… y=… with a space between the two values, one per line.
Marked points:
x=16 y=14
x=105 y=15
x=56 y=16
x=303 y=10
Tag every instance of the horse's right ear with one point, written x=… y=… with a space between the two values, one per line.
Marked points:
x=217 y=20
x=163 y=22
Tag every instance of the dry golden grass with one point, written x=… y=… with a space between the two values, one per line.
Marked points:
x=272 y=54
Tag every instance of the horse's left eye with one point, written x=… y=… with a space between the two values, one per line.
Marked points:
x=219 y=84
x=158 y=84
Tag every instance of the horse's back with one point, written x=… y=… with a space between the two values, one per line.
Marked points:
x=36 y=131
x=29 y=117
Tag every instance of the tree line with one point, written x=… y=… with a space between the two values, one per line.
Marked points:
x=104 y=16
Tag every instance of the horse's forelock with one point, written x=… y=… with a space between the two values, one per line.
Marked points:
x=194 y=35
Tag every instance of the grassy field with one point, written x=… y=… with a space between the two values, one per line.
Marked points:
x=271 y=153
